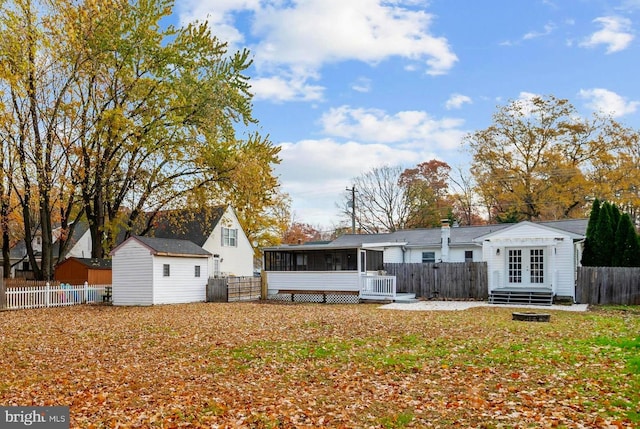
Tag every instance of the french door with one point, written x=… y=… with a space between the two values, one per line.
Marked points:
x=526 y=267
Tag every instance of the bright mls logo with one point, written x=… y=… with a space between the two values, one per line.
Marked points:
x=35 y=417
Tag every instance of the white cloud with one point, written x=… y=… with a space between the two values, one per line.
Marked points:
x=615 y=34
x=608 y=102
x=316 y=172
x=548 y=29
x=362 y=84
x=298 y=37
x=456 y=101
x=410 y=128
x=278 y=89
x=316 y=32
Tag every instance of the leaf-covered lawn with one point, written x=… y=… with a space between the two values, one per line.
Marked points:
x=268 y=365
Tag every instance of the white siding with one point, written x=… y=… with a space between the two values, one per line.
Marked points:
x=236 y=261
x=313 y=280
x=414 y=255
x=132 y=279
x=456 y=254
x=181 y=286
x=392 y=255
x=82 y=248
x=559 y=256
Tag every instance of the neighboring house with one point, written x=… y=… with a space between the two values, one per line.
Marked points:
x=20 y=264
x=76 y=271
x=150 y=271
x=215 y=229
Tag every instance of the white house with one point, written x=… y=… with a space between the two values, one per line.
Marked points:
x=215 y=229
x=326 y=269
x=520 y=257
x=149 y=271
x=531 y=255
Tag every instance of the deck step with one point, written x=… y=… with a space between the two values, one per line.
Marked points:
x=521 y=297
x=400 y=297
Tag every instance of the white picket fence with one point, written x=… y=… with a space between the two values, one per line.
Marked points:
x=23 y=297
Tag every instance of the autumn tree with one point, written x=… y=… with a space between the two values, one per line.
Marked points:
x=157 y=109
x=36 y=74
x=300 y=233
x=533 y=161
x=427 y=193
x=109 y=106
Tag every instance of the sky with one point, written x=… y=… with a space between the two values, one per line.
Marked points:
x=345 y=86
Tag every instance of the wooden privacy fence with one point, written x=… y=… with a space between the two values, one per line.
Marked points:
x=231 y=289
x=608 y=285
x=451 y=280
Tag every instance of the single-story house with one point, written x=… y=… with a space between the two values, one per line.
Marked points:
x=149 y=271
x=325 y=269
x=76 y=271
x=522 y=256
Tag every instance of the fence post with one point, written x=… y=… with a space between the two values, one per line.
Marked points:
x=47 y=294
x=86 y=292
x=3 y=295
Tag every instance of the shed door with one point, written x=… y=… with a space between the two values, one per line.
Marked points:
x=526 y=267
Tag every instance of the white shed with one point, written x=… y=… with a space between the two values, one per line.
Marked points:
x=148 y=271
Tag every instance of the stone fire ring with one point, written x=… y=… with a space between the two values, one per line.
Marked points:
x=531 y=317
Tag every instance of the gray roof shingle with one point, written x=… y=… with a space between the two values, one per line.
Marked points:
x=172 y=247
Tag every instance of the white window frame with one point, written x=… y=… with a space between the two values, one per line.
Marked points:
x=426 y=260
x=229 y=237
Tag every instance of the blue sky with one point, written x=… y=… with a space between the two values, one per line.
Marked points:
x=344 y=86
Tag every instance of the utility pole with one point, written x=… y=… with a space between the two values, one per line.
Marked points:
x=353 y=208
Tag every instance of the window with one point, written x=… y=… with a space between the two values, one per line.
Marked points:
x=428 y=257
x=536 y=257
x=229 y=237
x=166 y=270
x=197 y=271
x=468 y=255
x=515 y=266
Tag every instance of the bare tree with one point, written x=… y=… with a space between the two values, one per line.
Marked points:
x=380 y=201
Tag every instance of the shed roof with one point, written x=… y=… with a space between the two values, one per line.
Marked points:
x=168 y=247
x=93 y=263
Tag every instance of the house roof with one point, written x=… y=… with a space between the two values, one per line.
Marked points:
x=80 y=227
x=460 y=236
x=93 y=263
x=192 y=225
x=567 y=228
x=167 y=246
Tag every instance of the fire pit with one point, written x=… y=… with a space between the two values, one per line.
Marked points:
x=531 y=317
